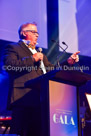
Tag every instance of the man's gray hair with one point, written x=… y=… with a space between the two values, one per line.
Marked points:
x=21 y=28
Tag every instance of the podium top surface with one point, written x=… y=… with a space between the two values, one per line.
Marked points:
x=71 y=77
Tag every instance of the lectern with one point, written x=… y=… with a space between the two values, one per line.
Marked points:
x=59 y=99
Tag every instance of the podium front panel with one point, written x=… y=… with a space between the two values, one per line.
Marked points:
x=63 y=109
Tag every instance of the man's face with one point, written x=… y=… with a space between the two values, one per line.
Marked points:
x=30 y=32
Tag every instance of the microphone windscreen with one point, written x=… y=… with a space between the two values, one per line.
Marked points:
x=53 y=40
x=40 y=49
x=64 y=43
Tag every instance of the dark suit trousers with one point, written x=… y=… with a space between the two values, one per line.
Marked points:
x=26 y=115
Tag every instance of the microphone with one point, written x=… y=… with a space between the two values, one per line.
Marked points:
x=64 y=50
x=65 y=44
x=54 y=41
x=41 y=62
x=40 y=49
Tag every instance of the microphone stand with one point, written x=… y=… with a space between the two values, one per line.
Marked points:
x=64 y=50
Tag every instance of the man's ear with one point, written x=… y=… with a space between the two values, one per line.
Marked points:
x=24 y=33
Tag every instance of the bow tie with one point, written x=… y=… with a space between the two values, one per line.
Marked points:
x=31 y=46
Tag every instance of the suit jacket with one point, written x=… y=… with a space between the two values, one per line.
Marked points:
x=21 y=66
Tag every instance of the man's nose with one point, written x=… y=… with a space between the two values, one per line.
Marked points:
x=37 y=35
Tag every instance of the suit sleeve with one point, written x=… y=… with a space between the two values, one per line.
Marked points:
x=50 y=66
x=47 y=64
x=11 y=58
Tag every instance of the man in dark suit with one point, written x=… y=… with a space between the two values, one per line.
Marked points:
x=23 y=63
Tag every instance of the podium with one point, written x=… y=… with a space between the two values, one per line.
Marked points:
x=59 y=99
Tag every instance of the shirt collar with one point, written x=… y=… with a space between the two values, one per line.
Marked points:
x=27 y=42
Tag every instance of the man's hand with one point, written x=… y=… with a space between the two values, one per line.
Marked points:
x=38 y=56
x=73 y=58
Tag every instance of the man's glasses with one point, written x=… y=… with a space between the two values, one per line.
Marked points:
x=32 y=31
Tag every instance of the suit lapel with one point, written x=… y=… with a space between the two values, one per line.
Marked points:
x=25 y=48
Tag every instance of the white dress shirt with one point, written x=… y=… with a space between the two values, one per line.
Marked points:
x=33 y=52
